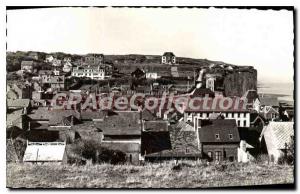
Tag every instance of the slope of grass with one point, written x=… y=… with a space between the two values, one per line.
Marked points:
x=187 y=174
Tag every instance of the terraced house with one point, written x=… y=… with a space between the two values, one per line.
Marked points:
x=91 y=71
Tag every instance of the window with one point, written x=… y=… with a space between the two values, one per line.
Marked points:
x=230 y=136
x=231 y=158
x=217 y=136
x=245 y=123
x=239 y=123
x=238 y=115
x=218 y=156
x=187 y=150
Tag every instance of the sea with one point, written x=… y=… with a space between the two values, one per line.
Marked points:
x=284 y=91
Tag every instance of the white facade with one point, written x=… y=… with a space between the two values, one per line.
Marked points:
x=96 y=73
x=151 y=75
x=242 y=118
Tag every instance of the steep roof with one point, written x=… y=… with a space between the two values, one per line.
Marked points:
x=18 y=102
x=223 y=128
x=185 y=126
x=121 y=123
x=158 y=125
x=201 y=92
x=44 y=152
x=281 y=133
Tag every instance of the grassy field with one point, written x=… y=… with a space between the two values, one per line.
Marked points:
x=187 y=174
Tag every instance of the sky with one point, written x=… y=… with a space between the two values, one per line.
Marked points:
x=260 y=38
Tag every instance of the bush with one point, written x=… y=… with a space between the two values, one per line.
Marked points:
x=92 y=150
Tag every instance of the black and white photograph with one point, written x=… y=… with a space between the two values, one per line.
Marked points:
x=150 y=97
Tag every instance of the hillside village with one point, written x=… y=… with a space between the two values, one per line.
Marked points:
x=37 y=132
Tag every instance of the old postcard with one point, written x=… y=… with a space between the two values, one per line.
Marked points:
x=160 y=97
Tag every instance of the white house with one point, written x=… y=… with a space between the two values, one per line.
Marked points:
x=151 y=75
x=49 y=58
x=236 y=111
x=93 y=72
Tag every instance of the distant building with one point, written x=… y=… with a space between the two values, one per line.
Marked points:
x=237 y=110
x=49 y=58
x=168 y=58
x=56 y=62
x=94 y=59
x=93 y=72
x=57 y=82
x=138 y=73
x=151 y=75
x=28 y=66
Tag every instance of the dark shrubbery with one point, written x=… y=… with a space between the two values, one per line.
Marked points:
x=92 y=150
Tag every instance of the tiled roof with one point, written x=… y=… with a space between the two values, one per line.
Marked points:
x=222 y=128
x=281 y=133
x=121 y=123
x=185 y=126
x=201 y=92
x=18 y=102
x=157 y=125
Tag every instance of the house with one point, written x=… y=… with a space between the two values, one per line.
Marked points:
x=202 y=92
x=18 y=104
x=28 y=66
x=93 y=59
x=138 y=73
x=33 y=55
x=56 y=62
x=168 y=58
x=45 y=152
x=67 y=66
x=174 y=71
x=57 y=82
x=18 y=91
x=236 y=110
x=92 y=72
x=219 y=139
x=16 y=118
x=184 y=145
x=270 y=113
x=151 y=75
x=257 y=120
x=253 y=102
x=122 y=131
x=211 y=81
x=56 y=72
x=49 y=58
x=276 y=137
x=243 y=152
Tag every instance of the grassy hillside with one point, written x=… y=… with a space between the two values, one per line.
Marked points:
x=187 y=174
